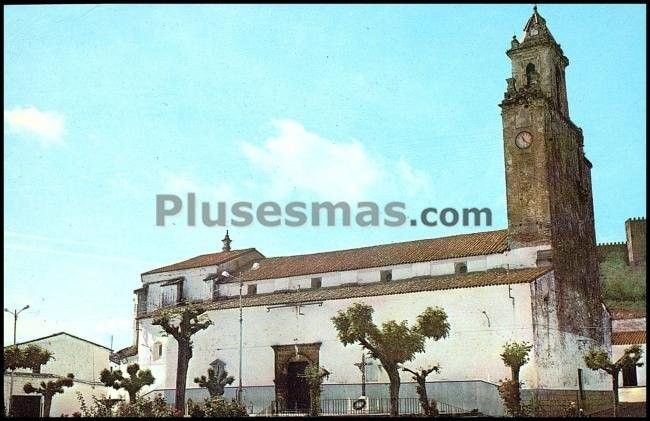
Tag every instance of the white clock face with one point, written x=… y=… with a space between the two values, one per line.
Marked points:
x=524 y=140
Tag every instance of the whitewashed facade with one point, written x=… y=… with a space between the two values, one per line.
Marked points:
x=482 y=319
x=74 y=355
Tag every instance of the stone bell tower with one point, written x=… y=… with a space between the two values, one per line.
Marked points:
x=548 y=177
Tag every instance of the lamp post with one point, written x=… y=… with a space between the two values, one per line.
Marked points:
x=15 y=313
x=241 y=326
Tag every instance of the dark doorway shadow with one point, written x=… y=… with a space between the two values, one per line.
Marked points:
x=297 y=392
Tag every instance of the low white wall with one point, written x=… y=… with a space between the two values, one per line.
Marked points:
x=62 y=403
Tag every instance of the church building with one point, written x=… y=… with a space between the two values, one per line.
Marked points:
x=536 y=281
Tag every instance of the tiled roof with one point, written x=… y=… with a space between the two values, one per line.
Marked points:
x=129 y=351
x=467 y=280
x=203 y=260
x=622 y=314
x=464 y=245
x=628 y=338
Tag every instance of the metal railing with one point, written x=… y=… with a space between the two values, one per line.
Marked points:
x=375 y=406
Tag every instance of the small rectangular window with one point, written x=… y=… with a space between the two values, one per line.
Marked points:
x=252 y=289
x=385 y=275
x=460 y=267
x=156 y=351
x=316 y=282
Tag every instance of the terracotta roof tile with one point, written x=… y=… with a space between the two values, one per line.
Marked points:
x=463 y=245
x=129 y=351
x=628 y=338
x=467 y=280
x=203 y=260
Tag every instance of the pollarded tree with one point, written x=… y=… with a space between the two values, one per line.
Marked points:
x=182 y=323
x=137 y=380
x=421 y=389
x=215 y=382
x=49 y=389
x=597 y=359
x=514 y=355
x=31 y=356
x=393 y=344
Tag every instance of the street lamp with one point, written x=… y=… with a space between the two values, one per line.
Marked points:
x=241 y=327
x=15 y=313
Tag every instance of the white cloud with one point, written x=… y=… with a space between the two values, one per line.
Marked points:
x=297 y=160
x=414 y=181
x=46 y=126
x=181 y=184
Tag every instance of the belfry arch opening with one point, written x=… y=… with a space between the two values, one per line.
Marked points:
x=530 y=70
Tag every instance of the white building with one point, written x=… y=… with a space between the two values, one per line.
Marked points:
x=72 y=354
x=629 y=328
x=536 y=281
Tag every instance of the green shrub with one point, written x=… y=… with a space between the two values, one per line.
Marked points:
x=217 y=406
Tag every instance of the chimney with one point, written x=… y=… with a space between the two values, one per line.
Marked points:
x=635 y=233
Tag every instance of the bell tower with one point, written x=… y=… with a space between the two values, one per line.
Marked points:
x=548 y=177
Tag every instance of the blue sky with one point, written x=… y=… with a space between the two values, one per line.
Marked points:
x=107 y=106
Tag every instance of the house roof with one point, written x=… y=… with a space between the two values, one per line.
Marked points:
x=463 y=245
x=211 y=259
x=623 y=313
x=61 y=333
x=129 y=351
x=628 y=338
x=467 y=280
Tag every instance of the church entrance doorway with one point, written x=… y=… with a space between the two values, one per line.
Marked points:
x=297 y=392
x=291 y=390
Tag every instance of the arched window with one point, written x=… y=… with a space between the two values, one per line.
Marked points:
x=530 y=70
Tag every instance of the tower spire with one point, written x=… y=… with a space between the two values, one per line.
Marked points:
x=226 y=242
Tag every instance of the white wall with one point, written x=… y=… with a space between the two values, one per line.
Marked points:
x=62 y=403
x=628 y=325
x=471 y=351
x=558 y=355
x=72 y=355
x=194 y=286
x=518 y=258
x=617 y=352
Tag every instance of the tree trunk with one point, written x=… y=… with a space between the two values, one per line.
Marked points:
x=515 y=378
x=393 y=376
x=132 y=396
x=424 y=398
x=615 y=387
x=181 y=374
x=314 y=401
x=515 y=373
x=47 y=404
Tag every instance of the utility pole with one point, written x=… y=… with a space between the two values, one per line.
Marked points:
x=15 y=313
x=241 y=329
